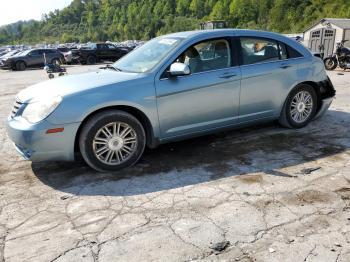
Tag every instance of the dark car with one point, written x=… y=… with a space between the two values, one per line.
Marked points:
x=31 y=58
x=97 y=52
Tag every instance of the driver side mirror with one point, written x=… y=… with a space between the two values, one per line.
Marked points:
x=179 y=69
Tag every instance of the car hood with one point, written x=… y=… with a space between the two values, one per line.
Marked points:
x=66 y=85
x=15 y=56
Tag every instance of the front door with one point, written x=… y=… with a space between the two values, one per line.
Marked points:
x=206 y=99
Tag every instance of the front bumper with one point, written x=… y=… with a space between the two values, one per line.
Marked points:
x=32 y=142
x=6 y=65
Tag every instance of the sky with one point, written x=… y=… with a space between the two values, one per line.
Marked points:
x=14 y=10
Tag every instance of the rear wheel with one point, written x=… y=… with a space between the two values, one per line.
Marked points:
x=20 y=66
x=300 y=107
x=112 y=140
x=330 y=63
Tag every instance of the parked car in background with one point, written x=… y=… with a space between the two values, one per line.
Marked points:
x=99 y=52
x=67 y=54
x=32 y=58
x=173 y=87
x=9 y=54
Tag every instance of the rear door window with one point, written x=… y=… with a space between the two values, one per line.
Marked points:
x=34 y=53
x=258 y=50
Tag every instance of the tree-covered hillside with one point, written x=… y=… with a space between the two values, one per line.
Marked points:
x=116 y=20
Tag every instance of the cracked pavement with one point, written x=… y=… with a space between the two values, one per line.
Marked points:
x=263 y=193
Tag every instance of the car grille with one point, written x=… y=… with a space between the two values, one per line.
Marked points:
x=16 y=106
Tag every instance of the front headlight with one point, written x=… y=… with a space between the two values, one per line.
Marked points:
x=39 y=110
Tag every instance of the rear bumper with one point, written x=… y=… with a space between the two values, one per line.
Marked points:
x=32 y=142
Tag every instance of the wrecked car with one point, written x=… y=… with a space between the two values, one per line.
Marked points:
x=173 y=87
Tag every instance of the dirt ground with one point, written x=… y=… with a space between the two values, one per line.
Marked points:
x=264 y=193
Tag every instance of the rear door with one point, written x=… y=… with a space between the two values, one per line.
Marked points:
x=267 y=75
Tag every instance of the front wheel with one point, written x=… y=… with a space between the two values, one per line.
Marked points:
x=20 y=66
x=300 y=107
x=112 y=140
x=330 y=63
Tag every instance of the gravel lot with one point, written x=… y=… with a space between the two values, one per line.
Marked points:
x=259 y=194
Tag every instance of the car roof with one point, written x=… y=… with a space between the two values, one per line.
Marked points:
x=242 y=33
x=189 y=34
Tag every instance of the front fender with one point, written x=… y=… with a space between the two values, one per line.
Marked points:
x=140 y=96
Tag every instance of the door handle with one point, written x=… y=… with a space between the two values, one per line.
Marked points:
x=284 y=66
x=228 y=75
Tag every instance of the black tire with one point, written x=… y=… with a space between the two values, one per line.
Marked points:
x=51 y=76
x=92 y=127
x=330 y=63
x=286 y=118
x=91 y=60
x=20 y=66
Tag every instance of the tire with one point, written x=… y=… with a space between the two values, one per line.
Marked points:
x=298 y=113
x=20 y=66
x=108 y=153
x=91 y=60
x=330 y=64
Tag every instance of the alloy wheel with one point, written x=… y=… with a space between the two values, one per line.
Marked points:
x=301 y=106
x=115 y=143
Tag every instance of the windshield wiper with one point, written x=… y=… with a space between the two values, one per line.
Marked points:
x=108 y=66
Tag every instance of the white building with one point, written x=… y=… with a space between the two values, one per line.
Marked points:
x=327 y=32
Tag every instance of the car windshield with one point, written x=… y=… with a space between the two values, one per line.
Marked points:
x=11 y=53
x=147 y=56
x=24 y=53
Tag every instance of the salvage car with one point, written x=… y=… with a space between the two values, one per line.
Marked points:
x=173 y=87
x=99 y=52
x=31 y=58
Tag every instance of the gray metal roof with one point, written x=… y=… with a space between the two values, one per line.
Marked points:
x=340 y=22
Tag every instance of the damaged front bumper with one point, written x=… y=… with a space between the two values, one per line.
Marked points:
x=327 y=93
x=325 y=104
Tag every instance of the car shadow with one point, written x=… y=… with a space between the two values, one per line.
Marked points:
x=264 y=148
